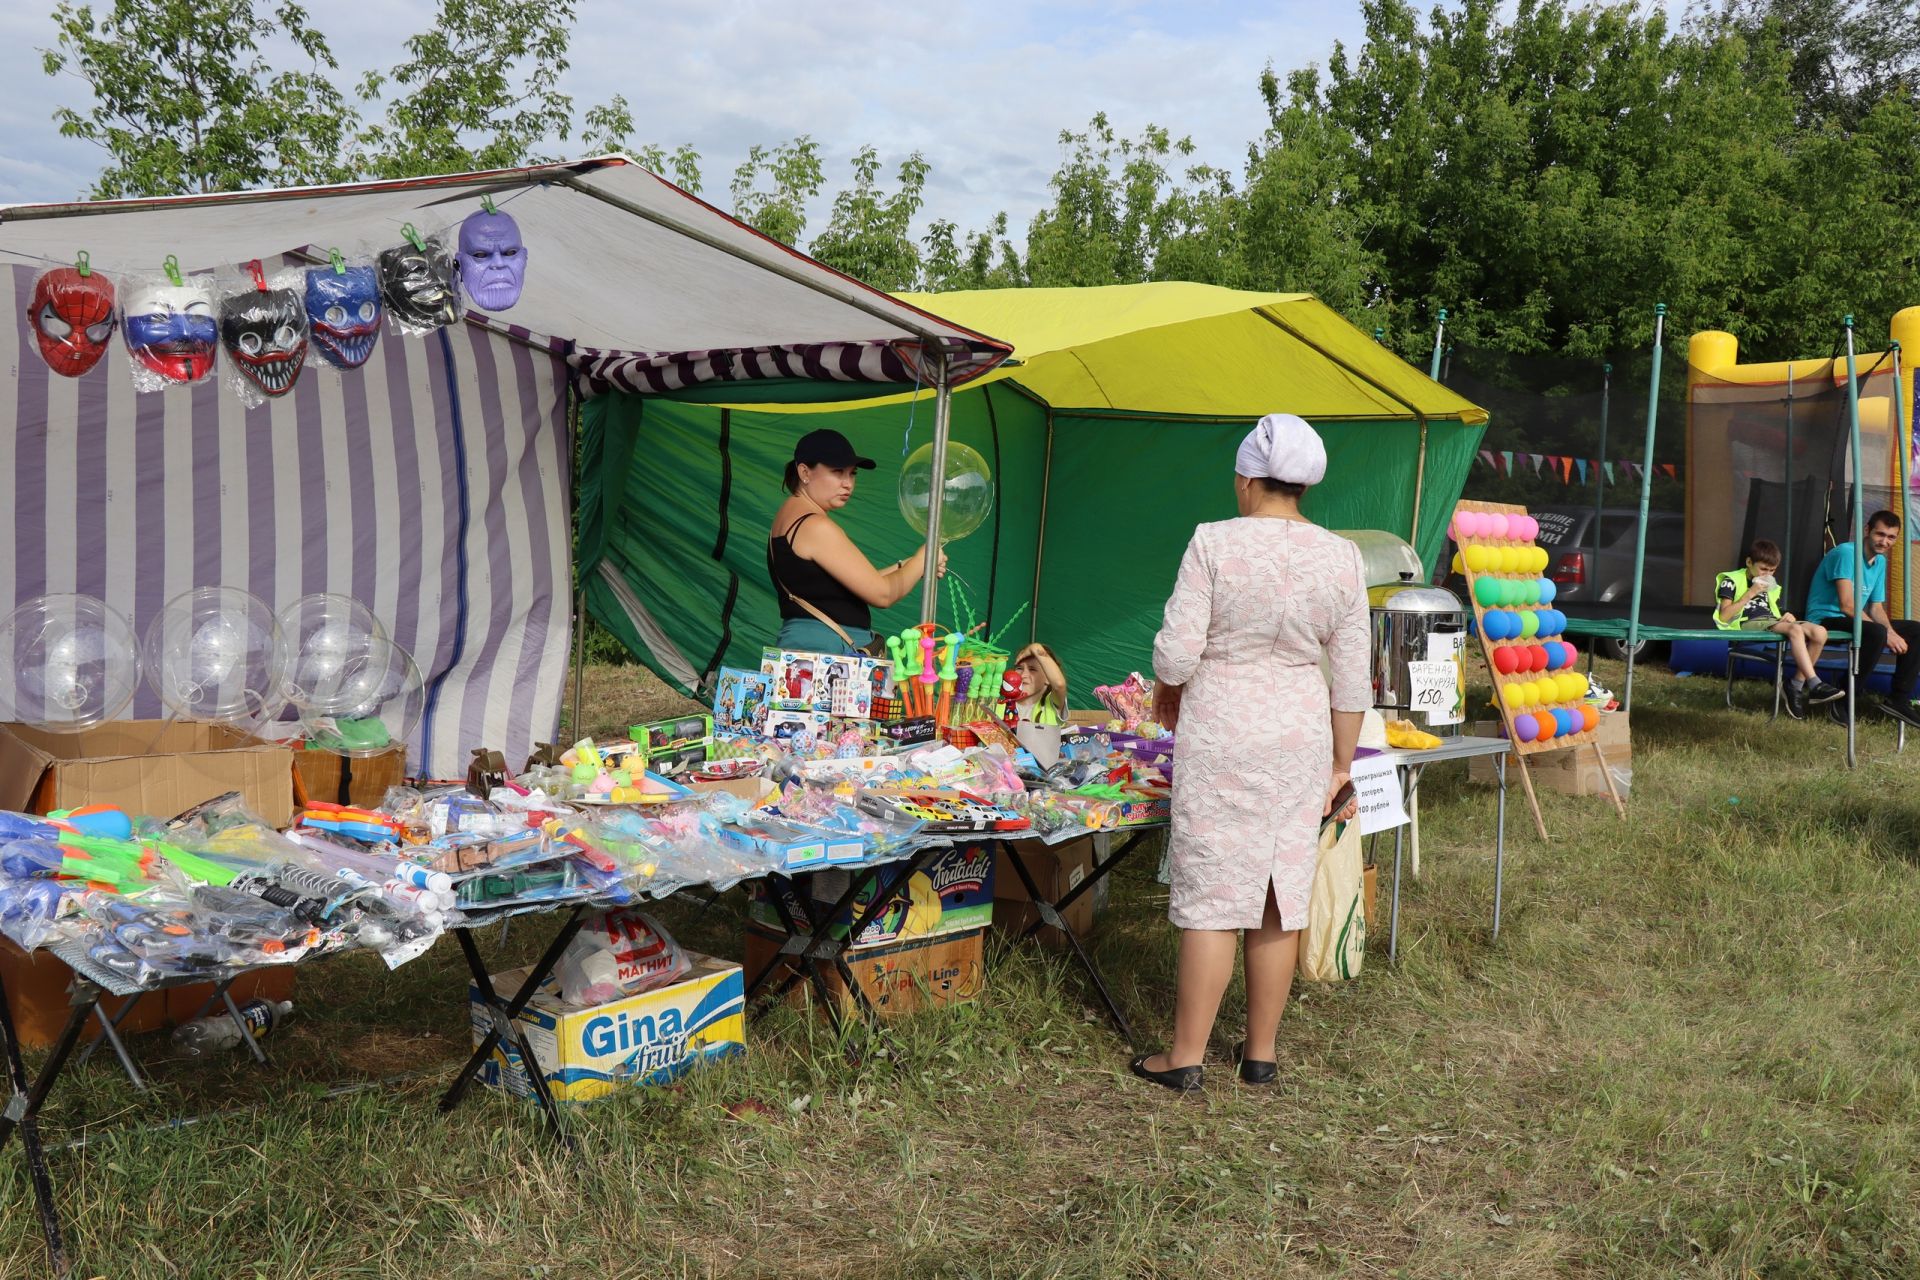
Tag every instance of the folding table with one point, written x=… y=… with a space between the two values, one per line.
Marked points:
x=1410 y=765
x=1048 y=910
x=809 y=945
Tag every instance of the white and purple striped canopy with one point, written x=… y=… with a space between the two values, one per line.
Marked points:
x=431 y=484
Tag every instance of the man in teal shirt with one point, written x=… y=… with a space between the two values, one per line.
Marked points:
x=1830 y=602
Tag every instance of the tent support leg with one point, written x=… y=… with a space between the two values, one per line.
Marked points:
x=579 y=658
x=942 y=424
x=1533 y=801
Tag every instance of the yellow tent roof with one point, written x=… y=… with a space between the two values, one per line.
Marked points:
x=1196 y=350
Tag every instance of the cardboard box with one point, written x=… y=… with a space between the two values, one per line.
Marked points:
x=740 y=701
x=904 y=977
x=151 y=768
x=38 y=995
x=367 y=780
x=1056 y=871
x=953 y=894
x=1570 y=771
x=652 y=1038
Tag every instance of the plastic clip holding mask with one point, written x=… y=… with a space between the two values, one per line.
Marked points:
x=263 y=326
x=71 y=314
x=493 y=259
x=420 y=284
x=344 y=308
x=169 y=327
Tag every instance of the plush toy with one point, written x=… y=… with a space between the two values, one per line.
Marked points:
x=265 y=333
x=170 y=331
x=493 y=259
x=71 y=314
x=343 y=309
x=419 y=283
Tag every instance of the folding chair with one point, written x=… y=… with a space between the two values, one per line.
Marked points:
x=1755 y=650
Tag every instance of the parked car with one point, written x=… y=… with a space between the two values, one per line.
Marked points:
x=1594 y=576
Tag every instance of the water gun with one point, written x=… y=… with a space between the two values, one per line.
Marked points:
x=948 y=655
x=368 y=825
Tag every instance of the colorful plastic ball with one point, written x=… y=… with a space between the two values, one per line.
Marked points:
x=1569 y=719
x=1495 y=625
x=1545 y=727
x=1472 y=524
x=1525 y=528
x=1487 y=592
x=1570 y=686
x=1457 y=566
x=1503 y=559
x=1536 y=658
x=1530 y=591
x=1505 y=659
x=1529 y=625
x=1580 y=685
x=1476 y=558
x=1512 y=697
x=1496 y=525
x=1548 y=590
x=1526 y=728
x=1590 y=718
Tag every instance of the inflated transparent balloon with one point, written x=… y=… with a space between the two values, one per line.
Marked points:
x=67 y=663
x=968 y=497
x=322 y=632
x=215 y=654
x=376 y=703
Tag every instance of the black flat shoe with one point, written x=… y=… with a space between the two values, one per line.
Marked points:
x=1178 y=1079
x=1251 y=1070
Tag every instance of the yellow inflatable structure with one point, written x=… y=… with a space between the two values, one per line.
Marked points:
x=1769 y=455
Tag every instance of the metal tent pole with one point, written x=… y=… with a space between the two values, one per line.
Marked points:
x=1439 y=340
x=1786 y=552
x=1646 y=494
x=1854 y=677
x=942 y=423
x=1600 y=467
x=579 y=659
x=1904 y=445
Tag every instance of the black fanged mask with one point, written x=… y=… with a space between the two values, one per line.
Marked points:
x=265 y=334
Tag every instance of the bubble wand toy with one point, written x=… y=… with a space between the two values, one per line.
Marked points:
x=949 y=653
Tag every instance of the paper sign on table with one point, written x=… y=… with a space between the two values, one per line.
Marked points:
x=1436 y=690
x=1376 y=785
x=1450 y=647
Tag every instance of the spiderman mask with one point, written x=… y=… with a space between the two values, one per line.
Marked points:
x=71 y=315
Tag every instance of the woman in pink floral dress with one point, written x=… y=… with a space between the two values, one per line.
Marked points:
x=1267 y=613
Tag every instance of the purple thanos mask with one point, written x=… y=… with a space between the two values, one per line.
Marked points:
x=344 y=309
x=265 y=334
x=493 y=260
x=420 y=286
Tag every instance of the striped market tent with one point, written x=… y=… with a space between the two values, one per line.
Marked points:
x=433 y=484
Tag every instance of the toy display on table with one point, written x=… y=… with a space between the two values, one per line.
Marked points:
x=1543 y=702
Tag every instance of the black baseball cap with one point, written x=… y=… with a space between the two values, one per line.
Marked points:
x=828 y=448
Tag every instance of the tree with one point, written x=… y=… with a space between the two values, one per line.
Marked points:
x=794 y=170
x=606 y=128
x=479 y=90
x=870 y=235
x=184 y=102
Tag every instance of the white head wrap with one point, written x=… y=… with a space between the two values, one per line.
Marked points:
x=1282 y=447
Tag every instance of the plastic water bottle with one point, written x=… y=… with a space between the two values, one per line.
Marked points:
x=216 y=1031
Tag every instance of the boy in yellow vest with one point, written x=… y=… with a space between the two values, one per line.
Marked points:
x=1748 y=599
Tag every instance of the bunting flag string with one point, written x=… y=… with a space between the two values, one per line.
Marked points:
x=1567 y=468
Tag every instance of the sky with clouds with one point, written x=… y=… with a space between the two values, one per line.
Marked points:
x=983 y=93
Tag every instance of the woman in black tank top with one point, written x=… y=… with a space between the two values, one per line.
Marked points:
x=826 y=588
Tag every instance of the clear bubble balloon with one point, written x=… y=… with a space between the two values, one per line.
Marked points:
x=375 y=703
x=967 y=500
x=214 y=654
x=322 y=632
x=70 y=663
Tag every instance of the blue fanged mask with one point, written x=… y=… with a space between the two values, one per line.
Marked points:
x=343 y=308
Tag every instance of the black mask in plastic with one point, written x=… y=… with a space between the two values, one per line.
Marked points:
x=420 y=286
x=265 y=334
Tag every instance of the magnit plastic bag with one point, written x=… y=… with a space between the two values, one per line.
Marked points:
x=618 y=953
x=1334 y=943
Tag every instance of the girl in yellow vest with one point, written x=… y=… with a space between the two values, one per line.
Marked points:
x=1749 y=600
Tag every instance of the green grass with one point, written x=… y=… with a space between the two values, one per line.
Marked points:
x=1689 y=1053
